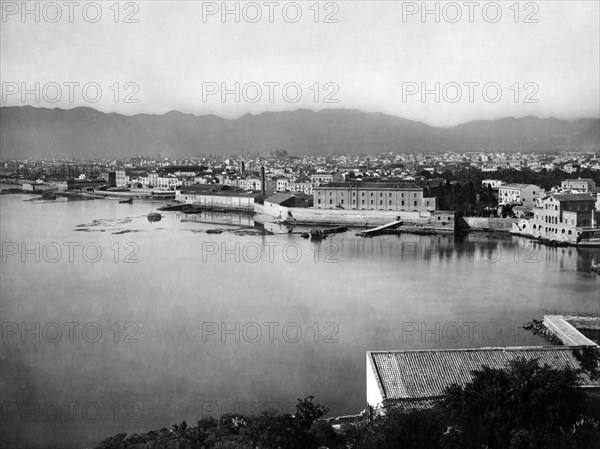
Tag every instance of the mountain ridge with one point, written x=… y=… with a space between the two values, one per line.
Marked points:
x=84 y=132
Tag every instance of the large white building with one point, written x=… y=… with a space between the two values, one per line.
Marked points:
x=563 y=216
x=525 y=194
x=372 y=196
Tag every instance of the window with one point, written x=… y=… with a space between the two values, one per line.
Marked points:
x=390 y=203
x=330 y=201
x=381 y=203
x=390 y=194
x=342 y=202
x=402 y=203
x=415 y=203
x=372 y=202
x=362 y=202
x=319 y=201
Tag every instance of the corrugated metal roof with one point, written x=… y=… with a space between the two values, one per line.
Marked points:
x=426 y=374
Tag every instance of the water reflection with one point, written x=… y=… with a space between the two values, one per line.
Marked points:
x=217 y=218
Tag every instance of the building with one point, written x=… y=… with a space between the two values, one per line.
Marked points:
x=121 y=178
x=524 y=194
x=563 y=216
x=216 y=196
x=273 y=204
x=154 y=181
x=301 y=186
x=583 y=185
x=283 y=184
x=372 y=196
x=418 y=379
x=493 y=183
x=110 y=178
x=321 y=178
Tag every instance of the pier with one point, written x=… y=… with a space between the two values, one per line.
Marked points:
x=380 y=229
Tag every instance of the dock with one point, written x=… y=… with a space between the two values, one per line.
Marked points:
x=568 y=334
x=380 y=229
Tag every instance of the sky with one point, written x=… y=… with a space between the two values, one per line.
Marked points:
x=442 y=63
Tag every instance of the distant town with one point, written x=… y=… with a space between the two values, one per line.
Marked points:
x=553 y=197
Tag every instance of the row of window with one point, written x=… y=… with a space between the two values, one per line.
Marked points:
x=372 y=194
x=555 y=220
x=372 y=202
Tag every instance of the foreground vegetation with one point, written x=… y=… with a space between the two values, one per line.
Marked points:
x=526 y=406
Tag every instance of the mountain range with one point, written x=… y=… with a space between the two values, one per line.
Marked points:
x=82 y=133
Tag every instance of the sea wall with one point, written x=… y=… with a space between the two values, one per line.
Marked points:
x=489 y=223
x=443 y=220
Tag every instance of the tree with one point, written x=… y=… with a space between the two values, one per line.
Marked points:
x=527 y=405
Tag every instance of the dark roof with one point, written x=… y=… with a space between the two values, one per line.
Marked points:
x=515 y=186
x=578 y=180
x=573 y=197
x=404 y=375
x=201 y=188
x=281 y=198
x=278 y=198
x=232 y=193
x=371 y=186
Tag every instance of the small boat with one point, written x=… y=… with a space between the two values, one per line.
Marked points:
x=154 y=216
x=127 y=201
x=214 y=231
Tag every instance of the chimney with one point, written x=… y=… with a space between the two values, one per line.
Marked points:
x=263 y=188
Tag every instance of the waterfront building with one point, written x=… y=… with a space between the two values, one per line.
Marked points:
x=524 y=194
x=563 y=216
x=583 y=185
x=216 y=196
x=418 y=379
x=272 y=204
x=372 y=196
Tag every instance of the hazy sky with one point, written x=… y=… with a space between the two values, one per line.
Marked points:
x=180 y=55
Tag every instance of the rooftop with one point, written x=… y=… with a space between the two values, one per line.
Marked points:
x=573 y=197
x=279 y=198
x=425 y=374
x=516 y=186
x=371 y=186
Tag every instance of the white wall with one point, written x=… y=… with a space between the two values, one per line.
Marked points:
x=374 y=397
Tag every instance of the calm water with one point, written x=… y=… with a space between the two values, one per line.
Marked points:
x=198 y=324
